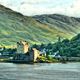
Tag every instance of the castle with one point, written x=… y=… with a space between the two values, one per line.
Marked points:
x=22 y=47
x=24 y=53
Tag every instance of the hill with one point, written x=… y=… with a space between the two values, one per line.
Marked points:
x=35 y=29
x=62 y=23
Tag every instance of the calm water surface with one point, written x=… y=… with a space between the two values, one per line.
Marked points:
x=56 y=71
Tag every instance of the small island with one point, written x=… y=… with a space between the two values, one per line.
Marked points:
x=25 y=54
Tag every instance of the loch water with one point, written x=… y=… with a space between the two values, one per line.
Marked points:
x=40 y=71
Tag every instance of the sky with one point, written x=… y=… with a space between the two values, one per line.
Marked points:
x=38 y=7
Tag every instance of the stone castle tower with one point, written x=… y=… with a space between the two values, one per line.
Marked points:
x=34 y=54
x=22 y=47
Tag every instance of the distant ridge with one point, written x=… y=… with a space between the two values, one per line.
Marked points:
x=65 y=23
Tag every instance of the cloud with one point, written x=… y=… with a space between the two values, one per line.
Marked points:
x=10 y=3
x=74 y=9
x=35 y=7
x=33 y=10
x=31 y=7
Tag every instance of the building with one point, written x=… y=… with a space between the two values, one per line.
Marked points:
x=22 y=47
x=35 y=54
x=24 y=53
x=43 y=52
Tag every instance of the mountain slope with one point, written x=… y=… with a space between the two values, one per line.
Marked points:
x=67 y=24
x=14 y=27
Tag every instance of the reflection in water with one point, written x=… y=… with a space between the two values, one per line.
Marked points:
x=56 y=71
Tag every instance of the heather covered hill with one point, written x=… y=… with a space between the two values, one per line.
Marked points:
x=62 y=23
x=38 y=29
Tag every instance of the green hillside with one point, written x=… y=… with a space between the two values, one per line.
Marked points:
x=38 y=29
x=62 y=23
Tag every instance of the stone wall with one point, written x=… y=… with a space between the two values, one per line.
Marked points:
x=20 y=48
x=36 y=54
